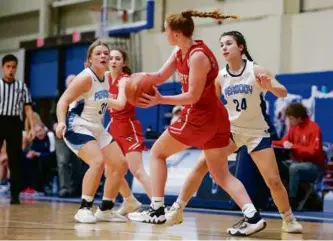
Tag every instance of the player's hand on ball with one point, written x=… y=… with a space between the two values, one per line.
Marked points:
x=150 y=100
x=264 y=81
x=60 y=129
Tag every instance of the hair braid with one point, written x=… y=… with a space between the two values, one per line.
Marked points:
x=216 y=14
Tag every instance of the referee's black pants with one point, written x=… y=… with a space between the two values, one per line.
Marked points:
x=11 y=132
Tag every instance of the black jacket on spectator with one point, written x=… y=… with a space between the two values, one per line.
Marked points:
x=45 y=147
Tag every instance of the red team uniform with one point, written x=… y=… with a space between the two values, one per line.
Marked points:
x=205 y=124
x=124 y=128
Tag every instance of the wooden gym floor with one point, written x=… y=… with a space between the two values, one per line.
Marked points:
x=54 y=220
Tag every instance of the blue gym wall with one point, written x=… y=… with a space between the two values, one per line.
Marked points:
x=44 y=73
x=74 y=58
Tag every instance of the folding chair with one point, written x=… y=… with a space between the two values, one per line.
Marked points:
x=317 y=185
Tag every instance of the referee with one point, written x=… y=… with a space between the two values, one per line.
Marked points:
x=14 y=97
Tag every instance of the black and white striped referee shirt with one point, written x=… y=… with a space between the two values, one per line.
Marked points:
x=14 y=96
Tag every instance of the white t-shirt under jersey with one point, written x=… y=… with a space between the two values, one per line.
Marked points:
x=245 y=101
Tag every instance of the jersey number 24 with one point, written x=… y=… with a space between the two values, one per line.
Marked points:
x=240 y=106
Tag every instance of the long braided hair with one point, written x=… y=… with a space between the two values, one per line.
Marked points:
x=183 y=21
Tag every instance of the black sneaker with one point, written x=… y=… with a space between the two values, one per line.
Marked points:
x=149 y=215
x=248 y=226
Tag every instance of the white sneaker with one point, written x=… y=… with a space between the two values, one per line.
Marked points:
x=109 y=216
x=292 y=226
x=85 y=215
x=149 y=215
x=138 y=216
x=129 y=207
x=248 y=226
x=174 y=215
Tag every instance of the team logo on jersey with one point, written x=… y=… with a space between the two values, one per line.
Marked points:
x=238 y=89
x=183 y=77
x=129 y=139
x=101 y=94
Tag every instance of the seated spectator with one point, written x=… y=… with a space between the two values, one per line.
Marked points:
x=304 y=139
x=26 y=142
x=40 y=161
x=4 y=170
x=37 y=120
x=280 y=123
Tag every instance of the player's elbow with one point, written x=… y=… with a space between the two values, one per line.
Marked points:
x=63 y=103
x=283 y=93
x=119 y=107
x=280 y=92
x=122 y=104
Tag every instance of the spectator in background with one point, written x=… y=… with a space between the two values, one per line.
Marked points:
x=25 y=141
x=281 y=125
x=27 y=128
x=15 y=98
x=304 y=139
x=67 y=162
x=40 y=160
x=4 y=170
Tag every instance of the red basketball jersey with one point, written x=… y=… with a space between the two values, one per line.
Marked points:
x=209 y=105
x=129 y=111
x=124 y=128
x=205 y=124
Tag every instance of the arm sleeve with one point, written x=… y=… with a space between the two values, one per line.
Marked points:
x=280 y=142
x=313 y=146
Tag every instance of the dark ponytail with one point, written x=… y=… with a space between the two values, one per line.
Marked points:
x=127 y=70
x=247 y=54
x=240 y=40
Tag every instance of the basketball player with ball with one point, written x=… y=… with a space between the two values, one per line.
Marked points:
x=203 y=122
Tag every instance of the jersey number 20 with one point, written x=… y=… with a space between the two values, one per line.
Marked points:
x=240 y=106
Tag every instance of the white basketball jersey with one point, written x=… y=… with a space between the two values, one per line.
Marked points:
x=245 y=102
x=92 y=105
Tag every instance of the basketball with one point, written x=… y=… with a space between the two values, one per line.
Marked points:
x=136 y=86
